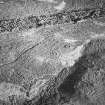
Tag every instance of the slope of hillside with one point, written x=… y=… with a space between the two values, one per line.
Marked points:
x=50 y=56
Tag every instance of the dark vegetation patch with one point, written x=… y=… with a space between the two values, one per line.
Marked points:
x=68 y=87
